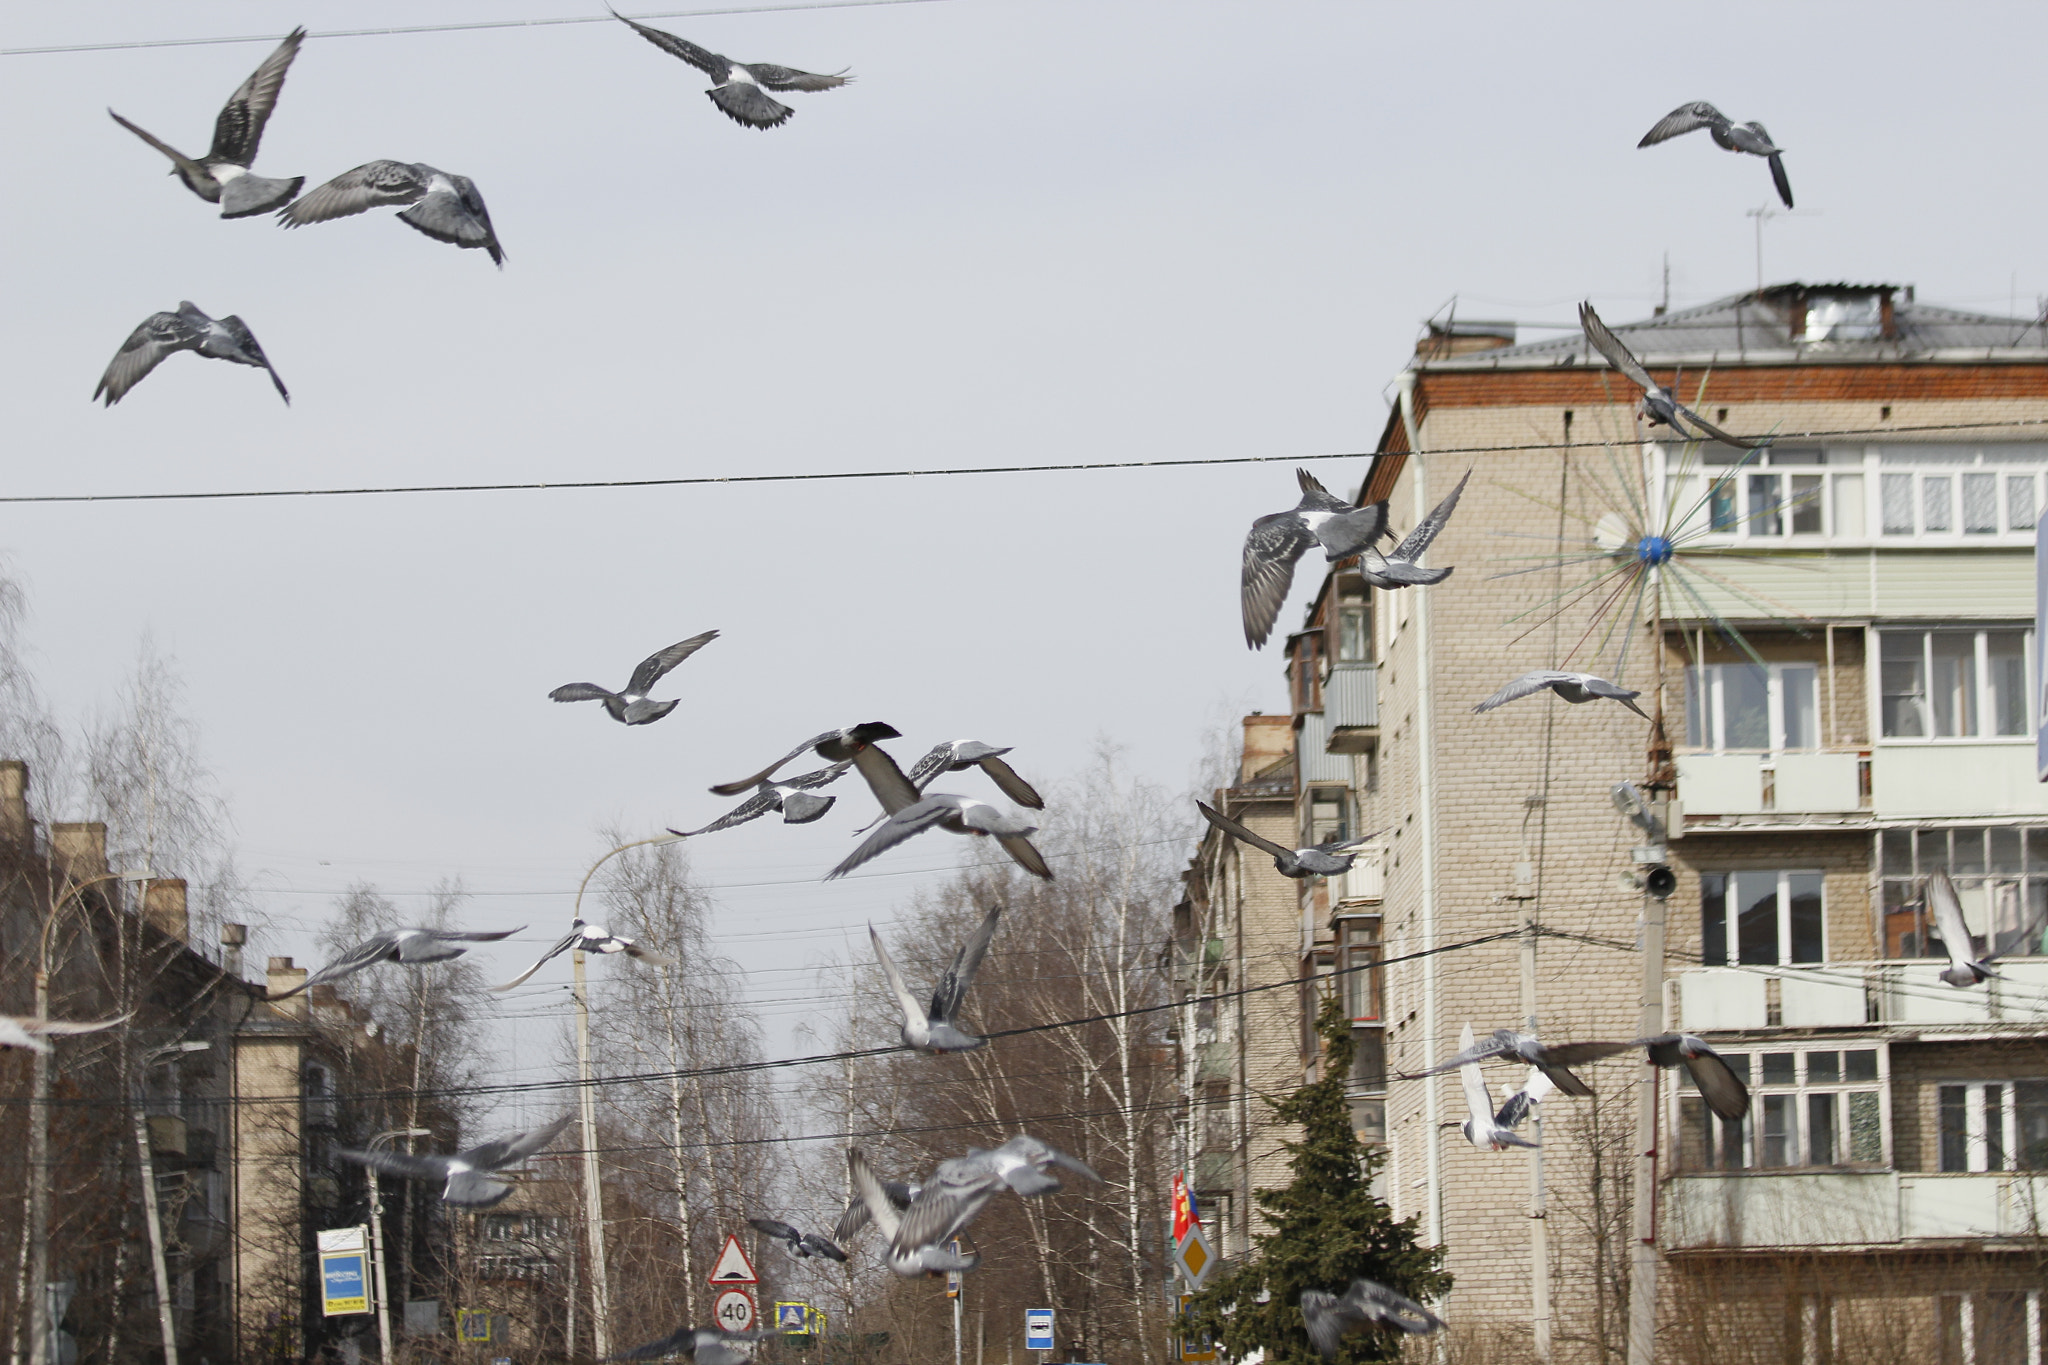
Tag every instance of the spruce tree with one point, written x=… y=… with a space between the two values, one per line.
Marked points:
x=1327 y=1229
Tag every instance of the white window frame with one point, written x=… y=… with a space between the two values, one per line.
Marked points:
x=1981 y=655
x=1731 y=928
x=1976 y=1132
x=1752 y=1136
x=1774 y=693
x=1966 y=1322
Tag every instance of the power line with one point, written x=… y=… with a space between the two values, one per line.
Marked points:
x=451 y=28
x=851 y=474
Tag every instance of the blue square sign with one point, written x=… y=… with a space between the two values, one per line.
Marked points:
x=1038 y=1329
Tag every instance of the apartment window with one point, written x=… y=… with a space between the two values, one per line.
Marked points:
x=501 y=1227
x=1306 y=671
x=1328 y=814
x=1354 y=632
x=1944 y=492
x=1820 y=1107
x=2000 y=875
x=1959 y=491
x=1770 y=707
x=1953 y=684
x=1994 y=1125
x=1761 y=918
x=1358 y=949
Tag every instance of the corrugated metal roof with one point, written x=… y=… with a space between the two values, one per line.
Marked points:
x=1758 y=327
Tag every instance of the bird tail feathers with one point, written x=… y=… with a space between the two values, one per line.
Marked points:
x=247 y=195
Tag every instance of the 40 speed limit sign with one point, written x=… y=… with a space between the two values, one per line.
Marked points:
x=734 y=1311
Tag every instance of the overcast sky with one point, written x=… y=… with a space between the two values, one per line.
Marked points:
x=1029 y=233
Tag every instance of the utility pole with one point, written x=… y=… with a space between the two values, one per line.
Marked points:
x=593 y=1196
x=382 y=1283
x=1539 y=1227
x=1642 y=1277
x=165 y=1321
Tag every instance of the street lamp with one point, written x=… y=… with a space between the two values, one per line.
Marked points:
x=149 y=1206
x=377 y=1244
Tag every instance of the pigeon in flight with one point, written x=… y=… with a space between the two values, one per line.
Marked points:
x=28 y=1032
x=933 y=1028
x=1659 y=406
x=446 y=207
x=742 y=90
x=834 y=746
x=591 y=938
x=855 y=1216
x=1400 y=569
x=471 y=1182
x=802 y=1245
x=792 y=797
x=631 y=707
x=956 y=815
x=1323 y=860
x=1962 y=969
x=1496 y=1130
x=1573 y=687
x=1725 y=1092
x=222 y=176
x=698 y=1345
x=412 y=946
x=188 y=329
x=1727 y=135
x=1277 y=543
x=1329 y=1318
x=1551 y=1061
x=961 y=754
x=960 y=1188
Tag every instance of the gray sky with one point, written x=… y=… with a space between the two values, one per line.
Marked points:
x=1029 y=233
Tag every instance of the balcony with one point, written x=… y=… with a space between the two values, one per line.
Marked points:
x=1351 y=708
x=1892 y=782
x=1908 y=780
x=1854 y=994
x=1781 y=784
x=1843 y=1209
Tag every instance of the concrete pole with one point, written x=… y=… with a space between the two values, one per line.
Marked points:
x=381 y=1282
x=166 y=1322
x=1642 y=1276
x=40 y=1350
x=1539 y=1227
x=593 y=1195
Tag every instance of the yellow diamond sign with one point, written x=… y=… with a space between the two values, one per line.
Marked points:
x=1194 y=1256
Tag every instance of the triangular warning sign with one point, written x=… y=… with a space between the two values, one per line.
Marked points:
x=733 y=1267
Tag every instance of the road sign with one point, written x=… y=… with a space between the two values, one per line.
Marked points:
x=733 y=1267
x=734 y=1311
x=1038 y=1329
x=1194 y=1257
x=344 y=1270
x=472 y=1324
x=953 y=1277
x=792 y=1317
x=1196 y=1349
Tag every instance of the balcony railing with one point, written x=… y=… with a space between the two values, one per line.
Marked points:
x=1852 y=994
x=1851 y=1209
x=1888 y=782
x=1351 y=708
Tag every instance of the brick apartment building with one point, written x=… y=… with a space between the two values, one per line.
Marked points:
x=1843 y=652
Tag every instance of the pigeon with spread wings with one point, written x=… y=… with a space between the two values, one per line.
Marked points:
x=1962 y=969
x=1402 y=568
x=1277 y=543
x=1330 y=1318
x=165 y=334
x=591 y=938
x=27 y=1031
x=1725 y=1092
x=855 y=1216
x=911 y=813
x=793 y=797
x=222 y=176
x=1331 y=859
x=934 y=1028
x=444 y=206
x=959 y=755
x=1660 y=407
x=1727 y=134
x=631 y=706
x=834 y=746
x=802 y=1245
x=1576 y=688
x=699 y=1346
x=959 y=1189
x=469 y=1176
x=411 y=946
x=742 y=87
x=1552 y=1061
x=1485 y=1127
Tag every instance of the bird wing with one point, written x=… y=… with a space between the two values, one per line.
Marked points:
x=934 y=761
x=240 y=125
x=1532 y=1093
x=851 y=1220
x=948 y=1203
x=1521 y=687
x=886 y=780
x=640 y=952
x=1498 y=1044
x=822 y=1247
x=913 y=1013
x=735 y=788
x=1609 y=345
x=1271 y=549
x=874 y=1200
x=656 y=666
x=1778 y=176
x=474 y=1190
x=952 y=988
x=823 y=777
x=375 y=948
x=1023 y=853
x=1239 y=832
x=159 y=335
x=1398 y=1309
x=399 y=1163
x=1011 y=785
x=1714 y=432
x=704 y=59
x=1948 y=917
x=1600 y=687
x=471 y=935
x=755 y=806
x=374 y=184
x=1684 y=119
x=458 y=218
x=64 y=1028
x=789 y=78
x=775 y=1228
x=672 y=1344
x=562 y=947
x=492 y=1156
x=1477 y=1098
x=1327 y=1319
x=1417 y=540
x=1725 y=1092
x=581 y=692
x=1578 y=1054
x=192 y=169
x=246 y=343
x=750 y=105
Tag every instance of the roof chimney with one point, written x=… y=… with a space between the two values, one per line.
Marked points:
x=1267 y=740
x=80 y=847
x=280 y=977
x=163 y=907
x=232 y=937
x=14 y=822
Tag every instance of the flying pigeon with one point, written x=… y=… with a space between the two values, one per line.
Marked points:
x=1329 y=1318
x=592 y=938
x=1277 y=543
x=699 y=1345
x=410 y=946
x=446 y=207
x=1727 y=135
x=912 y=1258
x=742 y=90
x=188 y=329
x=1725 y=1092
x=1331 y=859
x=469 y=1175
x=961 y=754
x=956 y=815
x=631 y=707
x=792 y=797
x=802 y=1245
x=1496 y=1130
x=1551 y=1061
x=28 y=1031
x=834 y=746
x=855 y=1216
x=1400 y=569
x=1962 y=969
x=1575 y=688
x=1659 y=406
x=932 y=1028
x=222 y=176
x=960 y=1188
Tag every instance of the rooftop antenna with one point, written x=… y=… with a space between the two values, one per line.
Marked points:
x=1665 y=306
x=1761 y=214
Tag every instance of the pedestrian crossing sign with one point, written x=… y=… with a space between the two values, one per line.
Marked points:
x=792 y=1317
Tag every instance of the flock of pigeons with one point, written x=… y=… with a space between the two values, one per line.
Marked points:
x=445 y=206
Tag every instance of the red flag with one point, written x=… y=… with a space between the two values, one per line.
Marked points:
x=1184 y=1216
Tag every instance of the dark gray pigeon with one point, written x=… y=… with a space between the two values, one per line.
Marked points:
x=1727 y=134
x=1278 y=542
x=631 y=707
x=1725 y=1092
x=1330 y=1318
x=792 y=796
x=961 y=754
x=1551 y=1061
x=446 y=207
x=802 y=1245
x=470 y=1175
x=1660 y=407
x=742 y=88
x=591 y=938
x=834 y=746
x=700 y=1346
x=1576 y=688
x=934 y=1028
x=412 y=946
x=188 y=329
x=1331 y=859
x=222 y=176
x=1401 y=568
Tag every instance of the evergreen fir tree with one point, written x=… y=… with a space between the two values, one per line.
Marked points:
x=1327 y=1230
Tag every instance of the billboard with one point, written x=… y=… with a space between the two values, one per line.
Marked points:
x=344 y=1271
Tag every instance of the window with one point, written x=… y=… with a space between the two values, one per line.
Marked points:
x=1328 y=814
x=1358 y=946
x=1956 y=490
x=1761 y=918
x=2001 y=878
x=1946 y=492
x=1354 y=632
x=1953 y=684
x=1305 y=671
x=1994 y=1125
x=1752 y=706
x=1824 y=1107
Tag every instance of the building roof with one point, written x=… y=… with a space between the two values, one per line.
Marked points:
x=1787 y=324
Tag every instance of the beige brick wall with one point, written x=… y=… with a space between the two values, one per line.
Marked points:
x=1918 y=1071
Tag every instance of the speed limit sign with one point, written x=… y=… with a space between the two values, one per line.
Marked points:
x=734 y=1311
